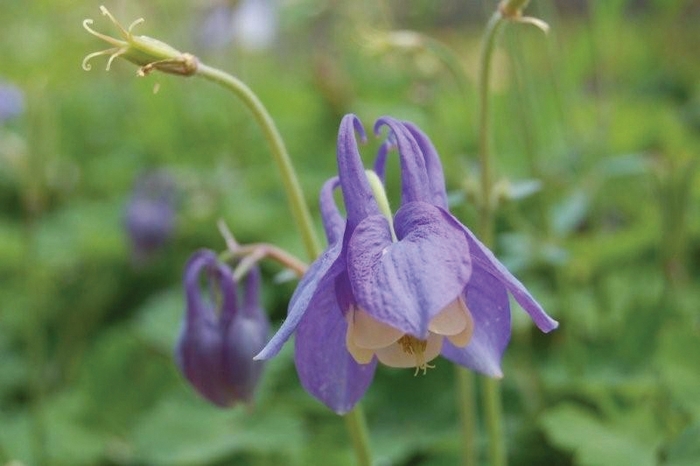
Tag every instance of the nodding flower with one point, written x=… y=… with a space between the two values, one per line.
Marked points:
x=400 y=289
x=148 y=53
x=222 y=332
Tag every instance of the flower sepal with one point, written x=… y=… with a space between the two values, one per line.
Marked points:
x=148 y=53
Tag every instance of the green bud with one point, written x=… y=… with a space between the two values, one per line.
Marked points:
x=148 y=53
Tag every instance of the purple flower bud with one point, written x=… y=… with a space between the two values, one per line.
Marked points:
x=11 y=101
x=150 y=214
x=221 y=334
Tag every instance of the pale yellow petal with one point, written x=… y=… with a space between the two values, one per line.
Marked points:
x=367 y=332
x=452 y=320
x=395 y=356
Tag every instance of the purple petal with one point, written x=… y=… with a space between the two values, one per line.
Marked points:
x=414 y=178
x=436 y=178
x=383 y=152
x=485 y=258
x=325 y=367
x=244 y=338
x=320 y=277
x=333 y=222
x=197 y=310
x=487 y=299
x=406 y=283
x=199 y=356
x=357 y=193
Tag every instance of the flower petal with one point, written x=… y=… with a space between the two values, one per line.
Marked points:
x=326 y=369
x=333 y=222
x=367 y=332
x=318 y=279
x=407 y=283
x=485 y=258
x=357 y=193
x=452 y=320
x=414 y=178
x=199 y=355
x=395 y=356
x=436 y=178
x=487 y=299
x=244 y=338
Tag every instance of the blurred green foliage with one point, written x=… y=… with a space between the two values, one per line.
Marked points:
x=597 y=133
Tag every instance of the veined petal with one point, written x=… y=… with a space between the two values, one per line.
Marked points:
x=405 y=284
x=326 y=369
x=333 y=222
x=436 y=178
x=485 y=258
x=414 y=178
x=357 y=193
x=487 y=299
x=318 y=280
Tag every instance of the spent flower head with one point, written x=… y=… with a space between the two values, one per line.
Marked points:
x=148 y=53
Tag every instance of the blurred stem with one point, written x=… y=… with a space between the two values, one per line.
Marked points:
x=490 y=387
x=486 y=206
x=466 y=394
x=357 y=427
x=355 y=419
x=295 y=196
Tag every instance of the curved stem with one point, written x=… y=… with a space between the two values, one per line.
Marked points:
x=300 y=210
x=491 y=388
x=357 y=427
x=355 y=420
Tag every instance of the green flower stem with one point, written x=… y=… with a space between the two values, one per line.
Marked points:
x=298 y=205
x=357 y=427
x=486 y=206
x=354 y=420
x=467 y=410
x=490 y=387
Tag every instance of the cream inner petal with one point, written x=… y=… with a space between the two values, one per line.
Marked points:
x=397 y=356
x=367 y=332
x=360 y=355
x=452 y=320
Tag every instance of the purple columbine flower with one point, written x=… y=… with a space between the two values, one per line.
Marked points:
x=217 y=342
x=400 y=290
x=11 y=101
x=150 y=214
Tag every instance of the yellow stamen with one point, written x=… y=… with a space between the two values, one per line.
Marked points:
x=416 y=347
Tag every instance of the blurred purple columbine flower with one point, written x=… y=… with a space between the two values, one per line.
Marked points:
x=150 y=214
x=251 y=24
x=398 y=290
x=218 y=341
x=11 y=101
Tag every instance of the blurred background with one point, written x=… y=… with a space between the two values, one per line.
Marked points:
x=107 y=187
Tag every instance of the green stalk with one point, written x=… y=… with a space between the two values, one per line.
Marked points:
x=490 y=387
x=354 y=420
x=466 y=394
x=297 y=203
x=357 y=428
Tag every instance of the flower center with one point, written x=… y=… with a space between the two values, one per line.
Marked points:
x=413 y=346
x=367 y=338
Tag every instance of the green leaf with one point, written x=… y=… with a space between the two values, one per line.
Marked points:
x=184 y=430
x=685 y=451
x=592 y=441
